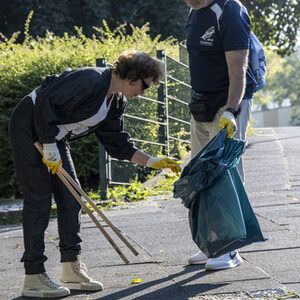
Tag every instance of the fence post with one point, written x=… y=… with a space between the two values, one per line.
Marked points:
x=161 y=111
x=183 y=55
x=103 y=167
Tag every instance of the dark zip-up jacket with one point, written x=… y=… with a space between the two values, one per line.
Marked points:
x=74 y=96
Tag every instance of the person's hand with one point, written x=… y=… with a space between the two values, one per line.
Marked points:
x=228 y=120
x=51 y=157
x=163 y=162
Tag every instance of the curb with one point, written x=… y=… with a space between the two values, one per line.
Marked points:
x=11 y=216
x=11 y=210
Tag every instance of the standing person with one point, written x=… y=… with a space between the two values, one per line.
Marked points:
x=218 y=38
x=64 y=108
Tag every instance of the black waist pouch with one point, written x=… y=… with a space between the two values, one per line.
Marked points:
x=204 y=107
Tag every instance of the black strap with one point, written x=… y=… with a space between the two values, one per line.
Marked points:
x=234 y=112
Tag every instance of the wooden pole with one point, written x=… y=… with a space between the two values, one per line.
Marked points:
x=88 y=211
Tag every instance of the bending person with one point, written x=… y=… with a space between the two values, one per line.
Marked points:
x=64 y=108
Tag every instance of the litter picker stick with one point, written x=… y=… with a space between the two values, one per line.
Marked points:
x=96 y=208
x=88 y=211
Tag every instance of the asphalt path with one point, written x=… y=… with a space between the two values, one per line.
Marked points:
x=158 y=229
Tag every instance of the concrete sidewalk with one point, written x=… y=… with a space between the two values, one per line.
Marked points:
x=159 y=231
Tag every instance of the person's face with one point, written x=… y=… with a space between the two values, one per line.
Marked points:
x=195 y=4
x=135 y=88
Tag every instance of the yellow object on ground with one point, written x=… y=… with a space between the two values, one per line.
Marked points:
x=137 y=280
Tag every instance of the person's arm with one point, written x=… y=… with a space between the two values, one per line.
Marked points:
x=118 y=145
x=235 y=33
x=141 y=158
x=56 y=104
x=237 y=62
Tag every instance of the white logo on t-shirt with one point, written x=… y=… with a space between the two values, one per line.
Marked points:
x=206 y=39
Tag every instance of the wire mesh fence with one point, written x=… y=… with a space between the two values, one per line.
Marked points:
x=159 y=121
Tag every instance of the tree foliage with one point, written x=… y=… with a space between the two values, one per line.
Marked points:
x=274 y=21
x=283 y=82
x=289 y=78
x=289 y=88
x=167 y=18
x=24 y=65
x=274 y=67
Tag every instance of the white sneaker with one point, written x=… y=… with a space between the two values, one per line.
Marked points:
x=226 y=261
x=41 y=286
x=198 y=259
x=74 y=277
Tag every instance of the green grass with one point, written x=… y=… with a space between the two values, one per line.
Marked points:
x=118 y=196
x=121 y=195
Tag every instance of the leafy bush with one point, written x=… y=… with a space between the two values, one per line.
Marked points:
x=23 y=66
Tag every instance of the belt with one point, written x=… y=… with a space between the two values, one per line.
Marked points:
x=208 y=94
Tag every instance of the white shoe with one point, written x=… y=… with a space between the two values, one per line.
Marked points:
x=226 y=261
x=74 y=277
x=41 y=286
x=198 y=259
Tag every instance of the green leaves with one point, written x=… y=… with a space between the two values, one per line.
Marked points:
x=283 y=82
x=275 y=22
x=23 y=66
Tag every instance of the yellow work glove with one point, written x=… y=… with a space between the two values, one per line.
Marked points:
x=163 y=162
x=51 y=157
x=228 y=120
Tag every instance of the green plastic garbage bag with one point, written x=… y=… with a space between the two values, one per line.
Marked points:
x=213 y=160
x=253 y=231
x=221 y=218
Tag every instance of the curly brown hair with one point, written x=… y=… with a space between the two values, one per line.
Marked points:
x=135 y=65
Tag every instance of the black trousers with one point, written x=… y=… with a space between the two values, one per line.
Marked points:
x=38 y=185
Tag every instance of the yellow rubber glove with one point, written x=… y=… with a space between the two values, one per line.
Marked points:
x=228 y=120
x=163 y=162
x=51 y=157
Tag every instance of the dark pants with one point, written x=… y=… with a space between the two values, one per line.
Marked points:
x=38 y=185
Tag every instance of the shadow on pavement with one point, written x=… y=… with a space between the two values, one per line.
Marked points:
x=249 y=145
x=170 y=291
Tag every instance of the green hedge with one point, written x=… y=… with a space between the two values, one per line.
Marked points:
x=23 y=66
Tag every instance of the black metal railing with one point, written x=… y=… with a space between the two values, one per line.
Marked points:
x=165 y=112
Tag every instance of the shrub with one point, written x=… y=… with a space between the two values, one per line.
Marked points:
x=23 y=66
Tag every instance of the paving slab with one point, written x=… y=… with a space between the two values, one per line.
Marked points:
x=159 y=230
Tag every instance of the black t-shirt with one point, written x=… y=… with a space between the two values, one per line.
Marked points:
x=208 y=39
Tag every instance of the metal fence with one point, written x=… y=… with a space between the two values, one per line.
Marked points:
x=162 y=110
